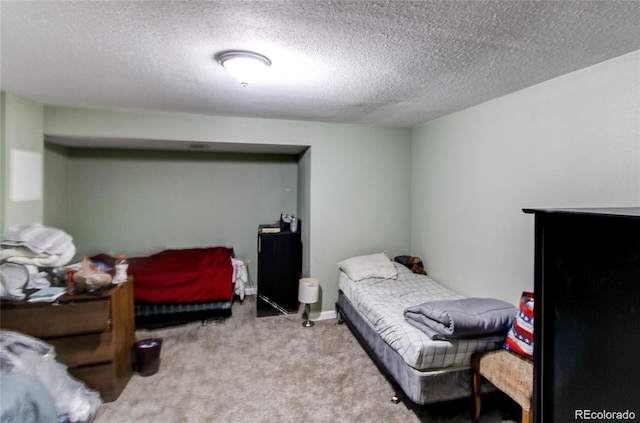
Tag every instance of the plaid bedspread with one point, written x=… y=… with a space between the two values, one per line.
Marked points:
x=383 y=301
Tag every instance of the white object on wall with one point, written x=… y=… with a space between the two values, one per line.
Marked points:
x=26 y=175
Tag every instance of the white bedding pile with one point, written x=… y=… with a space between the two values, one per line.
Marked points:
x=37 y=245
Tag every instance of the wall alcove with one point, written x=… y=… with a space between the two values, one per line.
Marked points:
x=140 y=196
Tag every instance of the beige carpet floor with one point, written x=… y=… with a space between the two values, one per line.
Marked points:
x=271 y=369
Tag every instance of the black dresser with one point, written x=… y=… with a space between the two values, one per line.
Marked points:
x=587 y=315
x=279 y=270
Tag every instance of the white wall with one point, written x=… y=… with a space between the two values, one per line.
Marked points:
x=573 y=141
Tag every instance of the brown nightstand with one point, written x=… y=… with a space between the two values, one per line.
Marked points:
x=92 y=334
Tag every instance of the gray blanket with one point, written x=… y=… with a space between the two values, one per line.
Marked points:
x=465 y=318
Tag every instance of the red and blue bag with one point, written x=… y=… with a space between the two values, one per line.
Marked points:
x=520 y=335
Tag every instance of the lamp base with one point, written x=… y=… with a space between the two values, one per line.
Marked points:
x=305 y=315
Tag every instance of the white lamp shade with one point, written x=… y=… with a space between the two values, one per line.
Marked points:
x=308 y=290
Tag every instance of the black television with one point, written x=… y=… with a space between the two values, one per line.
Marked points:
x=587 y=315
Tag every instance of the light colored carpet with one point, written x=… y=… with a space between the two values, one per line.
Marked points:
x=271 y=369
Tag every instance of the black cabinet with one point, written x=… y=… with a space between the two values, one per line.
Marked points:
x=587 y=315
x=279 y=269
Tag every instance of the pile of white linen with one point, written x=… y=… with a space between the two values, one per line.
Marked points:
x=27 y=248
x=37 y=245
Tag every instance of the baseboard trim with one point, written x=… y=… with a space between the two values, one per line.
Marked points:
x=323 y=315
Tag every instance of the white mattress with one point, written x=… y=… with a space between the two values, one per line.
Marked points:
x=382 y=302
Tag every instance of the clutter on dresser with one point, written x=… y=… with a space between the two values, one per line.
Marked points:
x=289 y=222
x=33 y=258
x=286 y=223
x=89 y=276
x=47 y=295
x=121 y=265
x=270 y=228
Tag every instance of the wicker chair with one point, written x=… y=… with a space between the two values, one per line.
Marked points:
x=507 y=371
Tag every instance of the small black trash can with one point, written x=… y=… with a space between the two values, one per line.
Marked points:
x=148 y=356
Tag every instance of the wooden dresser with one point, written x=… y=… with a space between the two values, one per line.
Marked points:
x=92 y=334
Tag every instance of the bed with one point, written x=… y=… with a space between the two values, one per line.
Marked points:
x=177 y=286
x=425 y=370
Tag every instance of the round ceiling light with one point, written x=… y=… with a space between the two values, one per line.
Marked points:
x=245 y=66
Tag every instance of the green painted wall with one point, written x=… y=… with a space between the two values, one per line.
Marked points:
x=21 y=129
x=450 y=190
x=141 y=202
x=573 y=141
x=57 y=191
x=352 y=193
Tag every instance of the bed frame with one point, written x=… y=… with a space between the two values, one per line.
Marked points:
x=160 y=315
x=421 y=387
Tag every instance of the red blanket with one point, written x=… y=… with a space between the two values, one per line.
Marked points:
x=180 y=276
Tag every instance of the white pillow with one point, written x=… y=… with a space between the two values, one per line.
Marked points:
x=369 y=266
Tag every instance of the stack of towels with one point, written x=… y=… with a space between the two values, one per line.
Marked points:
x=33 y=246
x=38 y=245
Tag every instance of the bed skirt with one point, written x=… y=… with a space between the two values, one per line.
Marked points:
x=157 y=315
x=421 y=387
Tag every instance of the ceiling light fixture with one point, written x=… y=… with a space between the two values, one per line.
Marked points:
x=245 y=66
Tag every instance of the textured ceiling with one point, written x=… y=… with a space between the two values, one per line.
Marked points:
x=397 y=63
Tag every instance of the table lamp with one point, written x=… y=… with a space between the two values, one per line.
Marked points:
x=308 y=292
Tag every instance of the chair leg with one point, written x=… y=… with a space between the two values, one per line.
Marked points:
x=477 y=381
x=526 y=416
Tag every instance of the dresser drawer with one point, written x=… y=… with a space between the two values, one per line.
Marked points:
x=82 y=350
x=99 y=377
x=68 y=318
x=93 y=335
